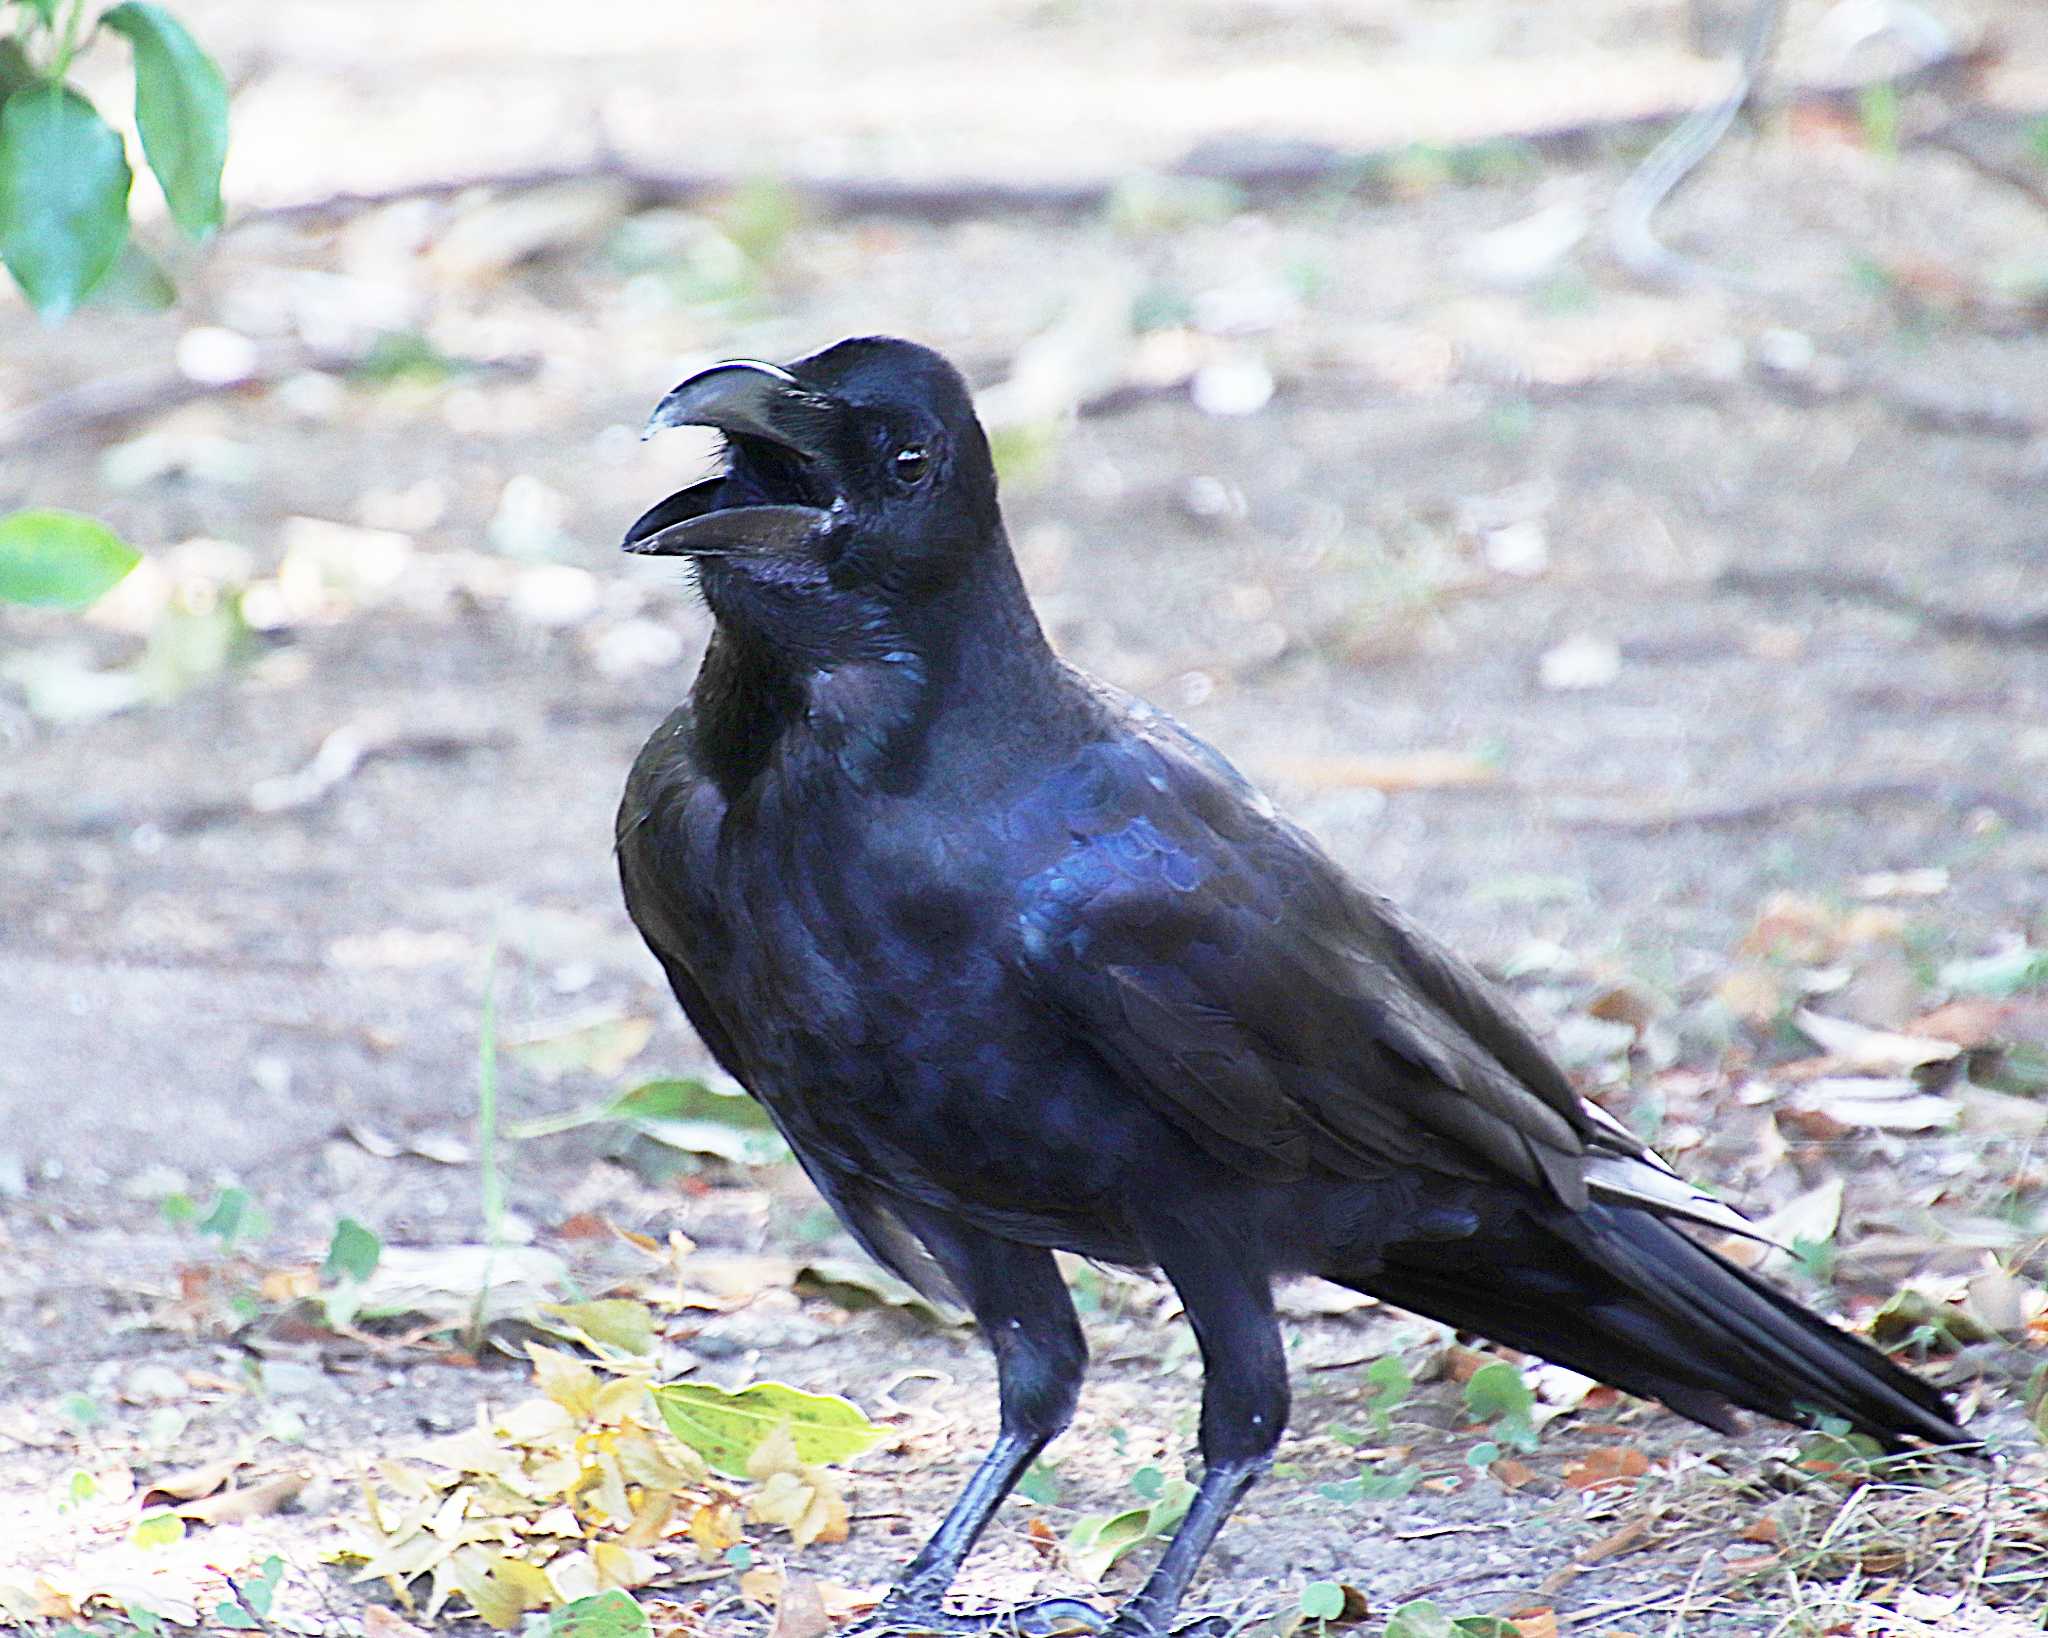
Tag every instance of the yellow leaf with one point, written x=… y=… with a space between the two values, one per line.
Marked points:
x=607 y=1497
x=659 y=1465
x=620 y=1400
x=619 y=1566
x=650 y=1519
x=714 y=1526
x=538 y=1424
x=565 y=1379
x=502 y=1589
x=474 y=1450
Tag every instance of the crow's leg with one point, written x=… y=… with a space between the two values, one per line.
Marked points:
x=1022 y=1306
x=1229 y=1301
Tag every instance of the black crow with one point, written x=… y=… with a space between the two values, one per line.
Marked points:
x=1018 y=964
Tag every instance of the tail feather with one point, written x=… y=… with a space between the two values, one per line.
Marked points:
x=1620 y=1294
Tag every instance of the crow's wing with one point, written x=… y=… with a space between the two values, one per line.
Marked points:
x=1283 y=1017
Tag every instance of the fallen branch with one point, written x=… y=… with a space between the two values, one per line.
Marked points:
x=1261 y=170
x=115 y=398
x=1882 y=593
x=1784 y=804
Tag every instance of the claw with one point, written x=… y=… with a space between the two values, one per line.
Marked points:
x=1049 y=1618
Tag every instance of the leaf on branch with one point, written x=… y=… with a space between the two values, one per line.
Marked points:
x=64 y=183
x=59 y=559
x=181 y=108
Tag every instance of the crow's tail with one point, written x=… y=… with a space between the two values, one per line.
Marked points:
x=1622 y=1295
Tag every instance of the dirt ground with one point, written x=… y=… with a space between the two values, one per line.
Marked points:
x=1582 y=615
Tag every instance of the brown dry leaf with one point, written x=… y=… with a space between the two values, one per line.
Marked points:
x=1793 y=927
x=801 y=1613
x=190 y=1483
x=1763 y=1531
x=289 y=1284
x=1512 y=1472
x=1627 y=1539
x=1537 y=1623
x=1416 y=771
x=1606 y=1467
x=253 y=1501
x=762 y=1585
x=806 y=1501
x=379 y=1622
x=1752 y=994
x=842 y=1602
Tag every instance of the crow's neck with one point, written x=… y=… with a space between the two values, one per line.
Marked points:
x=972 y=677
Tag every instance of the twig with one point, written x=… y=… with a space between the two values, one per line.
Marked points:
x=150 y=392
x=1870 y=588
x=1949 y=140
x=1852 y=794
x=1259 y=170
x=1675 y=158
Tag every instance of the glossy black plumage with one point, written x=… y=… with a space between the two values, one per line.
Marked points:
x=1018 y=964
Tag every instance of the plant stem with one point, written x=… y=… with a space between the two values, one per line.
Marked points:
x=492 y=1181
x=68 y=41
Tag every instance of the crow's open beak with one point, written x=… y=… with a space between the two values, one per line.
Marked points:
x=747 y=399
x=742 y=399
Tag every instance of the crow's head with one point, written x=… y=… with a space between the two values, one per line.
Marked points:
x=857 y=487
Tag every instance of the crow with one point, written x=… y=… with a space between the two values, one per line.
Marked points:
x=1018 y=964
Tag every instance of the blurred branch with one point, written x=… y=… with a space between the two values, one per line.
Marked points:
x=1260 y=168
x=1680 y=153
x=1882 y=593
x=1850 y=794
x=122 y=397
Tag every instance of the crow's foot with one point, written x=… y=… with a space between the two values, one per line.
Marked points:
x=929 y=1618
x=1195 y=1626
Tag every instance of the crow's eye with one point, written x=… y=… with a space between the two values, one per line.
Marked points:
x=913 y=461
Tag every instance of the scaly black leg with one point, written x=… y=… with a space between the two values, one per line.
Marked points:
x=1229 y=1301
x=1022 y=1306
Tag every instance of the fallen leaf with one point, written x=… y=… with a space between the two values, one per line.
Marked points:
x=1893 y=1105
x=1856 y=1046
x=803 y=1499
x=1416 y=771
x=1606 y=1467
x=762 y=1585
x=191 y=1483
x=380 y=1622
x=253 y=1501
x=1540 y=1623
x=801 y=1612
x=1627 y=1539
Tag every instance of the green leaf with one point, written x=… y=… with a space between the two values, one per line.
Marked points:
x=234 y=1215
x=692 y=1115
x=615 y=1322
x=64 y=182
x=1374 y=1486
x=725 y=1428
x=1486 y=1626
x=59 y=559
x=1391 y=1385
x=353 y=1252
x=1496 y=1393
x=614 y=1614
x=158 y=1529
x=16 y=73
x=1040 y=1484
x=181 y=108
x=136 y=283
x=233 y=1615
x=1099 y=1540
x=1322 y=1601
x=2020 y=967
x=45 y=9
x=1420 y=1619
